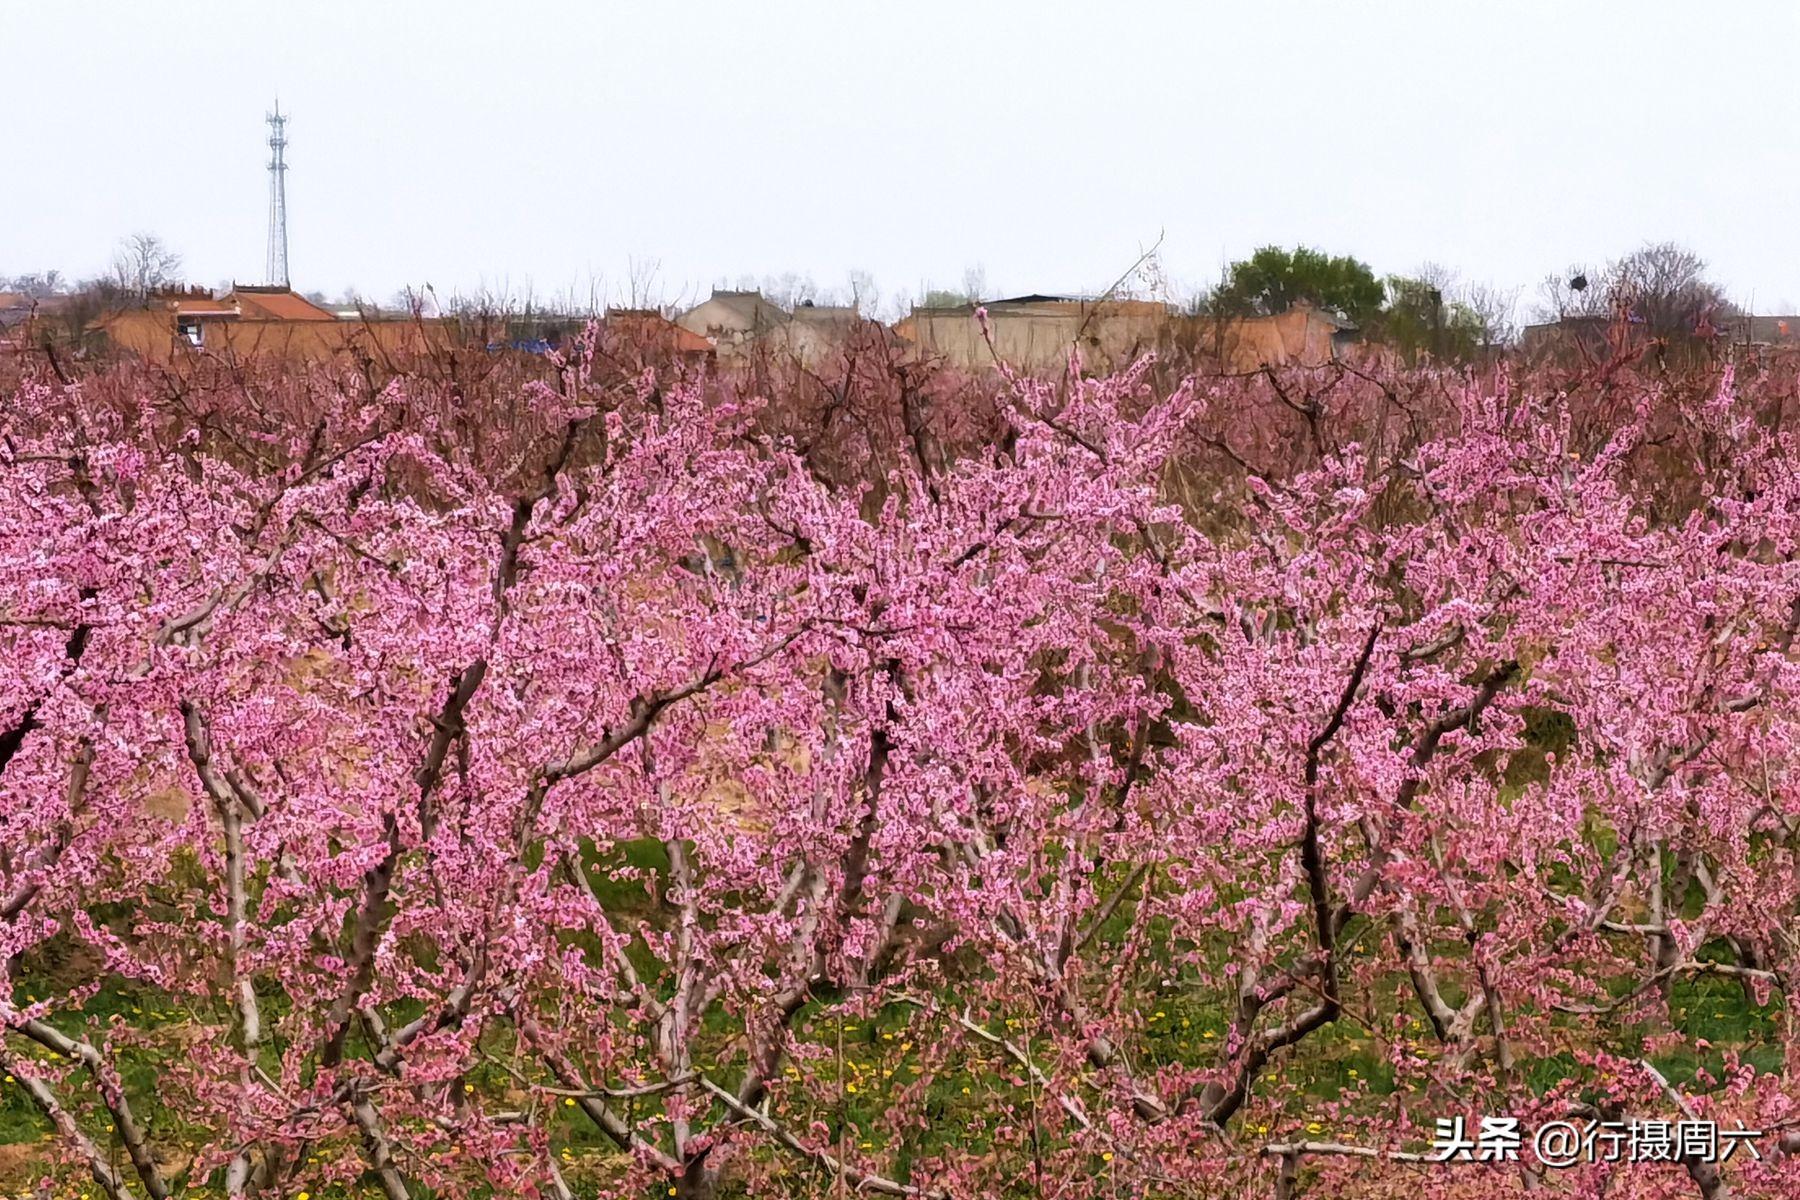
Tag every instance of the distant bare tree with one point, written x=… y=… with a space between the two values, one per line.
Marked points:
x=415 y=302
x=1579 y=291
x=865 y=297
x=592 y=303
x=641 y=287
x=143 y=263
x=1661 y=286
x=897 y=306
x=1664 y=286
x=1494 y=307
x=79 y=303
x=974 y=290
x=1148 y=278
x=975 y=284
x=784 y=290
x=37 y=285
x=1487 y=309
x=1209 y=299
x=1437 y=275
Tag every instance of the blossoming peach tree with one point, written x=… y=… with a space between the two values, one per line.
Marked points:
x=1098 y=812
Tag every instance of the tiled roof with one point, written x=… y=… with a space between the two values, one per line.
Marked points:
x=647 y=323
x=258 y=304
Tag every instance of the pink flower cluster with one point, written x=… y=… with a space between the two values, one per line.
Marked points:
x=1137 y=805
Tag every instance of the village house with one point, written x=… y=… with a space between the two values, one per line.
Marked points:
x=16 y=312
x=1598 y=336
x=733 y=321
x=814 y=333
x=25 y=318
x=1303 y=336
x=251 y=321
x=1580 y=336
x=649 y=330
x=741 y=324
x=1772 y=332
x=1037 y=332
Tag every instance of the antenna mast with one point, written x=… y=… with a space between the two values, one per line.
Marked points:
x=277 y=269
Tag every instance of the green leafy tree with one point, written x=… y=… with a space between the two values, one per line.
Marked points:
x=1422 y=319
x=1272 y=280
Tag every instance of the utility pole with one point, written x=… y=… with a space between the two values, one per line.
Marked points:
x=277 y=269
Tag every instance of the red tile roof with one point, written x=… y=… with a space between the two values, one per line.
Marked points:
x=648 y=324
x=257 y=304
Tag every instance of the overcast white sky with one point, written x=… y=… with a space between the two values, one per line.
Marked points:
x=549 y=144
